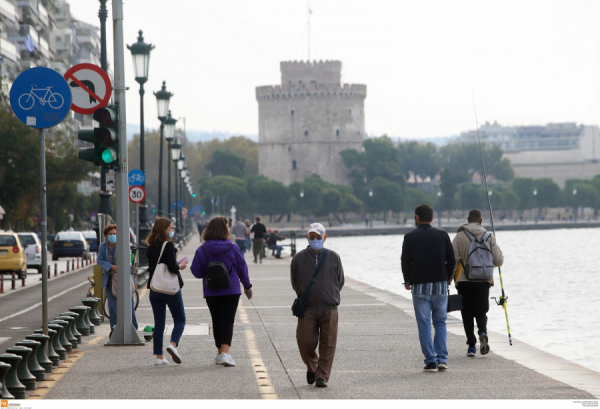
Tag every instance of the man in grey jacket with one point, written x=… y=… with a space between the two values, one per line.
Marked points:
x=319 y=326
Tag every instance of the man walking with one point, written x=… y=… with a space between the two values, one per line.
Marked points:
x=259 y=231
x=319 y=326
x=475 y=291
x=239 y=230
x=427 y=265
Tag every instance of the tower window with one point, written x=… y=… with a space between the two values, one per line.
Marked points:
x=293 y=165
x=337 y=132
x=350 y=111
x=305 y=133
x=292 y=113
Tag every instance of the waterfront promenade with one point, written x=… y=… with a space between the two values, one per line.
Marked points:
x=378 y=355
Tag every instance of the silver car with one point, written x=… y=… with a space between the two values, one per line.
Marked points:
x=33 y=250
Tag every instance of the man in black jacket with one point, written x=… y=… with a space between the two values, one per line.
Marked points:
x=428 y=265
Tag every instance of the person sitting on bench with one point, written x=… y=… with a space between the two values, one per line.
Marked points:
x=272 y=242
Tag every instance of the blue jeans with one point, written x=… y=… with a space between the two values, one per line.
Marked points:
x=241 y=244
x=430 y=308
x=112 y=309
x=159 y=301
x=248 y=243
x=276 y=247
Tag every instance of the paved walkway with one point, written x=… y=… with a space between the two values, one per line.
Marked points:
x=378 y=355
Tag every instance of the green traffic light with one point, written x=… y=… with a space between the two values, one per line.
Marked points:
x=109 y=155
x=203 y=212
x=194 y=195
x=153 y=210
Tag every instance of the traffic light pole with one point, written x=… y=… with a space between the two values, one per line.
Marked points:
x=104 y=195
x=124 y=333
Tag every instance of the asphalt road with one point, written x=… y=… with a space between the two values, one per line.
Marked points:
x=21 y=311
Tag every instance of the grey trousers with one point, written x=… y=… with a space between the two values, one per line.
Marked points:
x=318 y=328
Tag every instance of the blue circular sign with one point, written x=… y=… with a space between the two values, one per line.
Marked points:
x=178 y=205
x=136 y=177
x=40 y=97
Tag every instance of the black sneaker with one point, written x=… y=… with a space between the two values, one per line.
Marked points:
x=310 y=377
x=442 y=366
x=484 y=348
x=430 y=367
x=321 y=383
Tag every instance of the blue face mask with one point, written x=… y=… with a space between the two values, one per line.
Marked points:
x=171 y=234
x=112 y=238
x=316 y=244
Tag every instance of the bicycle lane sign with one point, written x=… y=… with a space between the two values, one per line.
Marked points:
x=136 y=177
x=40 y=97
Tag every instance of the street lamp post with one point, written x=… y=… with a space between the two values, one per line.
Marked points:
x=302 y=200
x=184 y=179
x=575 y=208
x=163 y=97
x=169 y=135
x=140 y=52
x=439 y=195
x=180 y=165
x=371 y=207
x=175 y=153
x=534 y=203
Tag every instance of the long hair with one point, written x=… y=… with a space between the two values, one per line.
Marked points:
x=217 y=229
x=158 y=235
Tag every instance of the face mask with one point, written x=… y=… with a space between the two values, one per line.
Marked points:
x=112 y=238
x=171 y=234
x=315 y=244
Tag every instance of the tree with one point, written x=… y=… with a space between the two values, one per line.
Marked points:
x=465 y=161
x=231 y=188
x=226 y=163
x=413 y=198
x=272 y=197
x=419 y=158
x=523 y=187
x=387 y=196
x=449 y=189
x=472 y=196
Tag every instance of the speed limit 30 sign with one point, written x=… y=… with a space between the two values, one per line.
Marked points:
x=137 y=194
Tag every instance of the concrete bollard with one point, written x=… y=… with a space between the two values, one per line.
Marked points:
x=41 y=356
x=25 y=377
x=77 y=263
x=80 y=323
x=49 y=271
x=73 y=340
x=65 y=335
x=4 y=368
x=23 y=278
x=55 y=269
x=13 y=281
x=15 y=388
x=32 y=362
x=56 y=344
x=52 y=355
x=67 y=266
x=72 y=322
x=1 y=283
x=73 y=264
x=93 y=315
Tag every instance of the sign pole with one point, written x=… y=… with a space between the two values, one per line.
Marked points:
x=124 y=333
x=42 y=137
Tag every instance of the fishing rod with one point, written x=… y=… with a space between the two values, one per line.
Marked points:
x=503 y=299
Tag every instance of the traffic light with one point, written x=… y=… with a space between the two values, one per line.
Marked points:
x=105 y=139
x=193 y=195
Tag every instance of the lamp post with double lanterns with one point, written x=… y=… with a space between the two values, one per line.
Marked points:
x=371 y=207
x=575 y=207
x=179 y=163
x=163 y=98
x=175 y=153
x=140 y=52
x=439 y=195
x=184 y=176
x=535 y=203
x=169 y=136
x=302 y=214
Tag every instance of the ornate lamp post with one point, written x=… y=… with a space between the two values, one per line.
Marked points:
x=302 y=203
x=179 y=164
x=169 y=135
x=535 y=202
x=175 y=153
x=439 y=195
x=575 y=208
x=163 y=97
x=140 y=52
x=371 y=207
x=184 y=178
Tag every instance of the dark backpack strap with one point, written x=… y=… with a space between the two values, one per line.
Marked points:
x=223 y=258
x=312 y=280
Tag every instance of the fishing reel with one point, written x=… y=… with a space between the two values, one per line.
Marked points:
x=501 y=301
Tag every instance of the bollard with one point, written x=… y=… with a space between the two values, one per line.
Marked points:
x=14 y=386
x=23 y=278
x=73 y=264
x=73 y=318
x=41 y=356
x=32 y=362
x=13 y=281
x=52 y=354
x=56 y=344
x=77 y=263
x=62 y=337
x=80 y=323
x=49 y=271
x=67 y=266
x=93 y=316
x=4 y=368
x=23 y=373
x=1 y=283
x=55 y=269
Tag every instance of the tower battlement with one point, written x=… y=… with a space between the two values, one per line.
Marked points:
x=328 y=72
x=312 y=90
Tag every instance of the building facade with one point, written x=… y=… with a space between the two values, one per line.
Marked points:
x=306 y=121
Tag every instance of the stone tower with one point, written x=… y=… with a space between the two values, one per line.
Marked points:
x=307 y=120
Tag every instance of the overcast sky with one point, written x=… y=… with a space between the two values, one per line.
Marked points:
x=527 y=62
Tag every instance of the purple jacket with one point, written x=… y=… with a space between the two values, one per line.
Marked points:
x=234 y=261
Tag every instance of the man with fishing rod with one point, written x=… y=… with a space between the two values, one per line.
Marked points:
x=476 y=253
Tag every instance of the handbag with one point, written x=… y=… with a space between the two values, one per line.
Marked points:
x=113 y=278
x=163 y=281
x=299 y=303
x=454 y=301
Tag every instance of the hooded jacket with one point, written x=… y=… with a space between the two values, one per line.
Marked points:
x=461 y=245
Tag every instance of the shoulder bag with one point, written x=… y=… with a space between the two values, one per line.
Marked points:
x=299 y=303
x=163 y=281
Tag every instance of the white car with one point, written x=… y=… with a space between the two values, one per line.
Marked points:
x=33 y=249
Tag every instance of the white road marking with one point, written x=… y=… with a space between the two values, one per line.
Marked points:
x=16 y=314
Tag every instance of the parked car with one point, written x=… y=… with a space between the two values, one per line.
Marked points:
x=12 y=254
x=92 y=239
x=33 y=250
x=70 y=244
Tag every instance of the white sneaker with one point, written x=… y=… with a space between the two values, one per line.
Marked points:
x=174 y=354
x=161 y=362
x=227 y=360
x=218 y=360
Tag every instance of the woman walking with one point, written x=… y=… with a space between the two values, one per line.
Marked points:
x=222 y=302
x=161 y=240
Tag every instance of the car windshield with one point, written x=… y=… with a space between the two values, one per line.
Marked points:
x=27 y=239
x=6 y=240
x=89 y=234
x=68 y=236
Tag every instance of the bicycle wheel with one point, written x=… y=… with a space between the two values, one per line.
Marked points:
x=26 y=101
x=136 y=299
x=56 y=100
x=105 y=308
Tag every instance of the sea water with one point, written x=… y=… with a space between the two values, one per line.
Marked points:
x=551 y=278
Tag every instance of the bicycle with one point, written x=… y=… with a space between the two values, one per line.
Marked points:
x=54 y=99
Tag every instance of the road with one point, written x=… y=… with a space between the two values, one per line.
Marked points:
x=21 y=311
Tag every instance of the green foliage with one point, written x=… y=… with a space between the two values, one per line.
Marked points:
x=449 y=189
x=226 y=163
x=586 y=195
x=413 y=198
x=472 y=196
x=387 y=195
x=418 y=158
x=465 y=161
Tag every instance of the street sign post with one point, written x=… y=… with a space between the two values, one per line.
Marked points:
x=137 y=194
x=37 y=218
x=41 y=98
x=184 y=213
x=93 y=216
x=177 y=205
x=91 y=87
x=136 y=177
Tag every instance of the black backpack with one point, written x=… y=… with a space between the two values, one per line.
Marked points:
x=217 y=276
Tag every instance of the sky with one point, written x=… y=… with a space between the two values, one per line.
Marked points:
x=524 y=62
